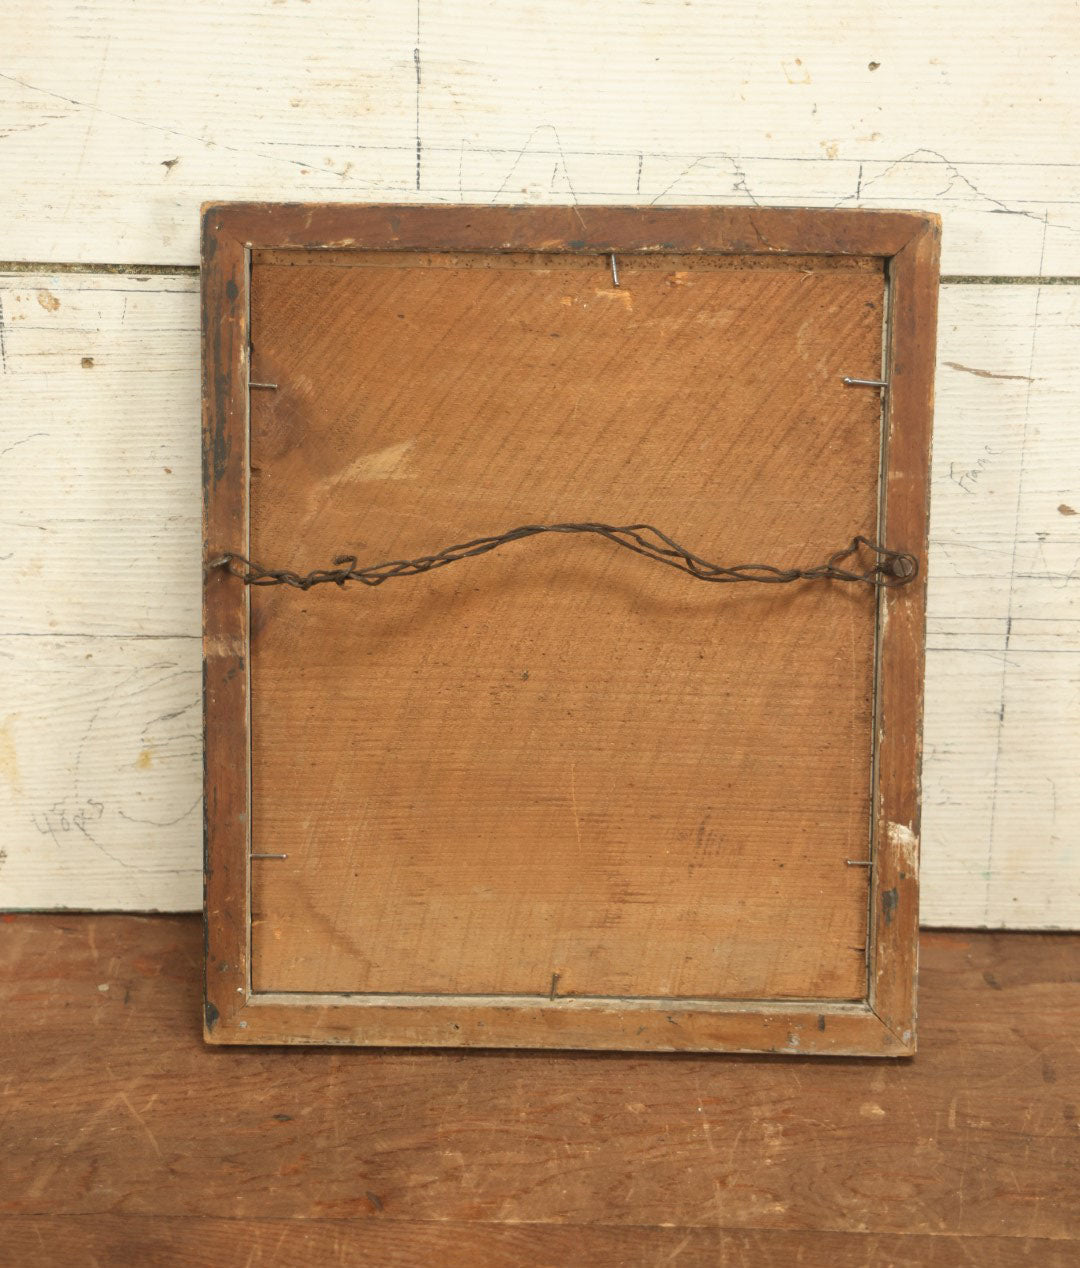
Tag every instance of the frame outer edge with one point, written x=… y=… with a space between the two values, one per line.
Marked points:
x=895 y=898
x=910 y=240
x=569 y=229
x=225 y=711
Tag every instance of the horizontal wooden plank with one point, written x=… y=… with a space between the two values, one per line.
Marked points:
x=101 y=538
x=806 y=1028
x=114 y=1105
x=100 y=773
x=1001 y=819
x=40 y=1241
x=118 y=119
x=99 y=419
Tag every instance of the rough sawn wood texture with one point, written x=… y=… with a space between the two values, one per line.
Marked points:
x=126 y=1140
x=559 y=773
x=560 y=767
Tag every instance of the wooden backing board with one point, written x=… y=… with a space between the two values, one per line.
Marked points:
x=557 y=795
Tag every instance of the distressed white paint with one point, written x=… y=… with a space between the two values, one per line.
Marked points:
x=100 y=406
x=1001 y=781
x=117 y=118
x=906 y=844
x=100 y=669
x=99 y=728
x=100 y=772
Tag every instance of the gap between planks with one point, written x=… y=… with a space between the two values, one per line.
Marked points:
x=192 y=270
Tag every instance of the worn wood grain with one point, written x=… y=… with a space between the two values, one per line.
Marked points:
x=408 y=817
x=117 y=120
x=582 y=750
x=39 y=1241
x=898 y=710
x=119 y=1122
x=114 y=481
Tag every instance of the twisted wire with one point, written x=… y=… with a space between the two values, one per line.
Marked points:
x=881 y=566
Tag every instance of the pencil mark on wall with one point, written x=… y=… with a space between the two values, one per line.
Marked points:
x=954 y=176
x=968 y=478
x=1025 y=435
x=160 y=823
x=705 y=162
x=416 y=61
x=681 y=177
x=169 y=749
x=91 y=119
x=308 y=169
x=460 y=167
x=527 y=148
x=25 y=440
x=956 y=180
x=740 y=182
x=1056 y=579
x=74 y=816
x=1055 y=838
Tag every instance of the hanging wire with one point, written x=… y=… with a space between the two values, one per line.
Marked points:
x=880 y=566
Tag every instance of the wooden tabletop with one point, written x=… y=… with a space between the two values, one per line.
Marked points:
x=127 y=1141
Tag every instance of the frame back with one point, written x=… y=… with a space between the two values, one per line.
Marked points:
x=556 y=795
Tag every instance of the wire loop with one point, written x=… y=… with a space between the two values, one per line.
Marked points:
x=889 y=568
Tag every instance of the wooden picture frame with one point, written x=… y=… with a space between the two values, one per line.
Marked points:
x=882 y=1021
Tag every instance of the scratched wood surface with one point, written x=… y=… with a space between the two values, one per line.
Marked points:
x=555 y=746
x=39 y=1240
x=129 y=1140
x=117 y=119
x=99 y=408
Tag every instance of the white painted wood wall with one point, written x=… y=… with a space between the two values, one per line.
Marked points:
x=118 y=118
